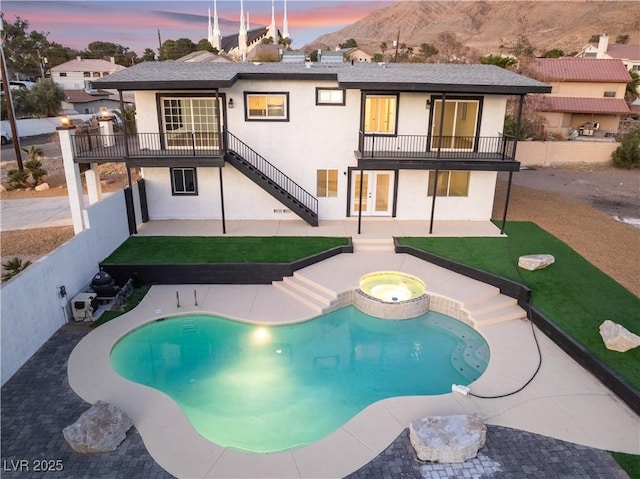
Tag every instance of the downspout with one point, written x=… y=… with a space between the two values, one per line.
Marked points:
x=515 y=144
x=433 y=201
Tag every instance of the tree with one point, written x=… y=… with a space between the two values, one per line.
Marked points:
x=631 y=92
x=522 y=46
x=102 y=50
x=149 y=55
x=627 y=155
x=12 y=267
x=174 y=49
x=499 y=61
x=46 y=98
x=34 y=164
x=286 y=43
x=205 y=45
x=554 y=53
x=595 y=38
x=351 y=43
x=427 y=50
x=24 y=51
x=267 y=41
x=622 y=39
x=383 y=48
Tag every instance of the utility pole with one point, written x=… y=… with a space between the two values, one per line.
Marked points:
x=397 y=42
x=9 y=99
x=159 y=45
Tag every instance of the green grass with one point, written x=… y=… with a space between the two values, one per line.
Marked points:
x=629 y=462
x=572 y=293
x=216 y=249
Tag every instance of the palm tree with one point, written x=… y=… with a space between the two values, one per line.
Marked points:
x=34 y=165
x=12 y=267
x=499 y=61
x=631 y=93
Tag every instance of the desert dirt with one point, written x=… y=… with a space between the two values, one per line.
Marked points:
x=577 y=205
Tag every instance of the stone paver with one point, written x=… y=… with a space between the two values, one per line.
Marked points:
x=37 y=403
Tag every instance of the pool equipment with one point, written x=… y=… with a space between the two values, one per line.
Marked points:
x=83 y=306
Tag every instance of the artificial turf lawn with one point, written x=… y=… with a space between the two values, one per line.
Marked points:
x=572 y=293
x=216 y=249
x=629 y=462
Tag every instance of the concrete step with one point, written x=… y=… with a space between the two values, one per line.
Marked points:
x=499 y=316
x=494 y=303
x=366 y=244
x=314 y=285
x=485 y=295
x=309 y=288
x=313 y=303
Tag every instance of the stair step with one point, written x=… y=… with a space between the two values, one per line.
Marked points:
x=486 y=295
x=313 y=284
x=314 y=304
x=384 y=244
x=499 y=316
x=310 y=288
x=494 y=303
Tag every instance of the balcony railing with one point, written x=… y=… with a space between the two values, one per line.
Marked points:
x=374 y=146
x=147 y=145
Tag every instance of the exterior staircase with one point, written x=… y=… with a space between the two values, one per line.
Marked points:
x=271 y=179
x=365 y=244
x=307 y=291
x=493 y=309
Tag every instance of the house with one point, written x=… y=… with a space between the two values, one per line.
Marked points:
x=78 y=74
x=628 y=53
x=85 y=102
x=587 y=95
x=280 y=141
x=356 y=54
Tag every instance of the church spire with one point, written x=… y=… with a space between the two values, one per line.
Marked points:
x=242 y=34
x=214 y=31
x=248 y=27
x=285 y=22
x=272 y=30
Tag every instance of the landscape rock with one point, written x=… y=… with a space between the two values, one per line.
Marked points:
x=42 y=187
x=618 y=338
x=533 y=262
x=447 y=438
x=100 y=429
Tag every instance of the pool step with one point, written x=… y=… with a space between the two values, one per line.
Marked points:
x=501 y=315
x=307 y=292
x=491 y=304
x=365 y=244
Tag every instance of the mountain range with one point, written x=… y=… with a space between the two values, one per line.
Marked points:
x=491 y=27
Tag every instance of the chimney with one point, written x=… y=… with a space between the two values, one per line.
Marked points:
x=603 y=45
x=112 y=59
x=79 y=58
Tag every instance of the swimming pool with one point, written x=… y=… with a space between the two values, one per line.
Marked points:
x=267 y=389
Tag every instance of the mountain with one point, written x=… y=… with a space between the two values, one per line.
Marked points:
x=492 y=26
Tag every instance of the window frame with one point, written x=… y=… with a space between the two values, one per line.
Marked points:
x=448 y=191
x=330 y=103
x=327 y=182
x=174 y=190
x=372 y=94
x=266 y=94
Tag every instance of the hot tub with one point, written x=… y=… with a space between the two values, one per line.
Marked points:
x=391 y=295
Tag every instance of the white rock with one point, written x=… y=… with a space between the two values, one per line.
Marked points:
x=42 y=187
x=532 y=262
x=447 y=438
x=100 y=429
x=618 y=338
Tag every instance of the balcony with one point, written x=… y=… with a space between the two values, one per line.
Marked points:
x=150 y=149
x=431 y=152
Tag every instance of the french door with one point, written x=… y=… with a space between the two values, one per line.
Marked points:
x=377 y=193
x=191 y=122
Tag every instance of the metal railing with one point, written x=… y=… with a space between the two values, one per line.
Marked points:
x=271 y=172
x=150 y=145
x=371 y=145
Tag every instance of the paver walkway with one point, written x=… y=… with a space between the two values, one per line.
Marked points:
x=37 y=403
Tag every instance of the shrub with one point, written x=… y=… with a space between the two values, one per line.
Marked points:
x=17 y=179
x=12 y=267
x=34 y=167
x=627 y=155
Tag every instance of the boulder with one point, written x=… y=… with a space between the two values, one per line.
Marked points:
x=100 y=429
x=42 y=187
x=447 y=438
x=618 y=338
x=533 y=262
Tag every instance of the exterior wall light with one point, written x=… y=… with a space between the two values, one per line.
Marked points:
x=104 y=113
x=230 y=105
x=66 y=122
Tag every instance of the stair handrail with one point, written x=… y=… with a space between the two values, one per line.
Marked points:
x=251 y=156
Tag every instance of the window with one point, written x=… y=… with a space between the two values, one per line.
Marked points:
x=459 y=124
x=450 y=183
x=63 y=74
x=96 y=74
x=266 y=106
x=609 y=94
x=184 y=181
x=87 y=74
x=329 y=96
x=327 y=183
x=380 y=114
x=190 y=122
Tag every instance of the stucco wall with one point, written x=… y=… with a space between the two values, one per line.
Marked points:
x=32 y=308
x=556 y=153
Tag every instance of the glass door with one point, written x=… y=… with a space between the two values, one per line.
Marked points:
x=458 y=124
x=191 y=123
x=377 y=193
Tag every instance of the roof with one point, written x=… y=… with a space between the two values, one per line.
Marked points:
x=425 y=77
x=201 y=56
x=230 y=42
x=570 y=69
x=621 y=51
x=612 y=106
x=82 y=96
x=89 y=64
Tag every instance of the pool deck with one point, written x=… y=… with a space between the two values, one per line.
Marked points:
x=563 y=401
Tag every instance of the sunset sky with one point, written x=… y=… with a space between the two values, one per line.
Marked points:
x=134 y=24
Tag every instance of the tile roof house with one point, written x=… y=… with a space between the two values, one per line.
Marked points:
x=587 y=96
x=314 y=141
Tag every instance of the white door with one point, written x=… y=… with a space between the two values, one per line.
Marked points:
x=377 y=193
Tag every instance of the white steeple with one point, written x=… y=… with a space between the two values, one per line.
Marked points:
x=242 y=34
x=285 y=22
x=272 y=30
x=209 y=30
x=215 y=38
x=248 y=27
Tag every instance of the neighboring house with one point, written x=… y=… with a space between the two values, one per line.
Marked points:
x=587 y=95
x=203 y=56
x=629 y=54
x=294 y=56
x=336 y=56
x=356 y=54
x=84 y=102
x=78 y=74
x=271 y=141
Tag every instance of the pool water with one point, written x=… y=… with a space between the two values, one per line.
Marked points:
x=268 y=389
x=392 y=286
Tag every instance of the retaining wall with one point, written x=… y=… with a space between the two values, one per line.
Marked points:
x=565 y=153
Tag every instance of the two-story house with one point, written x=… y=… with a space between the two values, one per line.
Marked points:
x=272 y=141
x=587 y=97
x=79 y=74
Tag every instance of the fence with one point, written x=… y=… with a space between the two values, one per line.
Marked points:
x=565 y=153
x=32 y=306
